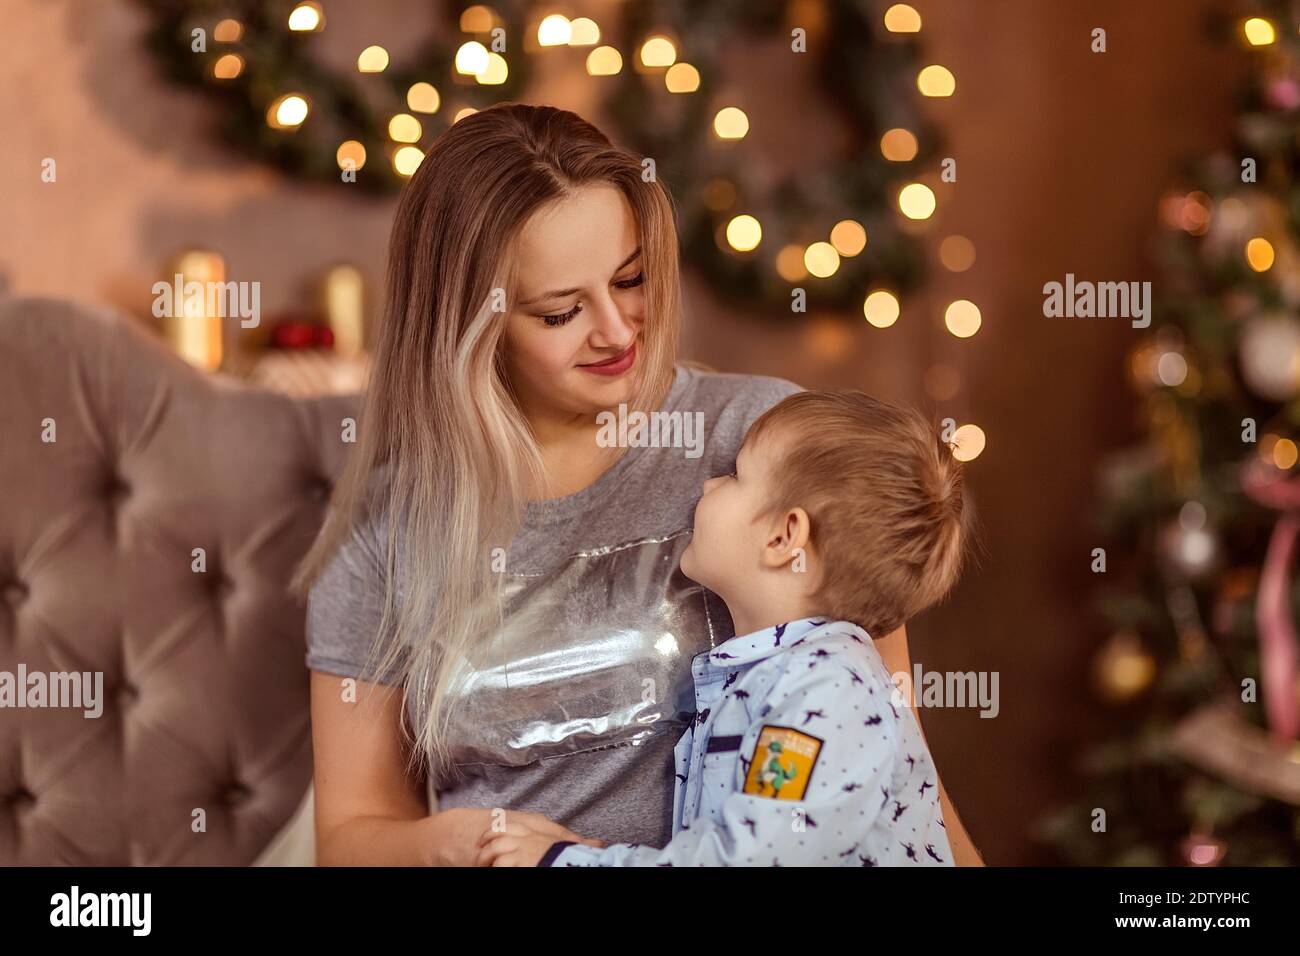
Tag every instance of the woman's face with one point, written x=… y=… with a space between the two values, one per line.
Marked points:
x=572 y=341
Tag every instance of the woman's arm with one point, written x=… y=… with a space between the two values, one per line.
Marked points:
x=368 y=812
x=893 y=650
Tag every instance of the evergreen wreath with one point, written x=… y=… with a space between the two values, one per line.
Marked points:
x=865 y=72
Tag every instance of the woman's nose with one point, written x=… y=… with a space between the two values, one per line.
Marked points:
x=610 y=326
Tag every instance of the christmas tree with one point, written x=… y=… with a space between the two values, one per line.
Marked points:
x=1199 y=524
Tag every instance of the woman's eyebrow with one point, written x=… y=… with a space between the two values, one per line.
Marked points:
x=561 y=293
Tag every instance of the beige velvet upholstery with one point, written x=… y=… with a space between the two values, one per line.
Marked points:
x=205 y=690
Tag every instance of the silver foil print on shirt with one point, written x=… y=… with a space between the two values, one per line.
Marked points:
x=595 y=653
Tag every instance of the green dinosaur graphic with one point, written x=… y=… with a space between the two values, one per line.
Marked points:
x=773 y=774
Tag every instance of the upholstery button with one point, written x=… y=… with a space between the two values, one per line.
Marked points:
x=15 y=592
x=21 y=799
x=116 y=489
x=126 y=694
x=234 y=793
x=318 y=489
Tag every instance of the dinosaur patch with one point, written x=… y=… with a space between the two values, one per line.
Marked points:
x=782 y=763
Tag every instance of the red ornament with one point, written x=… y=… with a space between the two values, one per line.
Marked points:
x=292 y=335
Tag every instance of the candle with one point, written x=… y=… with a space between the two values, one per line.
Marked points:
x=192 y=326
x=345 y=309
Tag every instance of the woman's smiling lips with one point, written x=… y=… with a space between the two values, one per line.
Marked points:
x=615 y=366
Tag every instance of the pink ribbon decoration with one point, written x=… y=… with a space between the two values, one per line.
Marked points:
x=1279 y=661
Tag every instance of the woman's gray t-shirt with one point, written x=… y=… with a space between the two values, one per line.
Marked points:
x=574 y=709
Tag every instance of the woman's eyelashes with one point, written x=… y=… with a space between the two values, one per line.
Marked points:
x=565 y=317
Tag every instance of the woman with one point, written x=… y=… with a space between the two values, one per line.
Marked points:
x=490 y=550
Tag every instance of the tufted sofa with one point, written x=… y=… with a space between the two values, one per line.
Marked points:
x=202 y=749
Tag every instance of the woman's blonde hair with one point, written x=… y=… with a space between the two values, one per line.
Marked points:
x=444 y=451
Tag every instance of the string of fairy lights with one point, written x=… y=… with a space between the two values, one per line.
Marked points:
x=657 y=54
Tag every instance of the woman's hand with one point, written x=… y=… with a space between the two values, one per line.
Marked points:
x=453 y=834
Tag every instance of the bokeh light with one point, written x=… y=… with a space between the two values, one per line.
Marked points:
x=350 y=151
x=227 y=31
x=731 y=123
x=423 y=98
x=1258 y=31
x=881 y=309
x=404 y=128
x=407 y=160
x=848 y=237
x=789 y=263
x=306 y=17
x=821 y=259
x=682 y=78
x=900 y=18
x=471 y=58
x=373 y=59
x=744 y=233
x=916 y=201
x=604 y=61
x=962 y=318
x=496 y=72
x=968 y=442
x=554 y=30
x=898 y=145
x=583 y=32
x=228 y=66
x=287 y=112
x=1259 y=254
x=658 y=51
x=957 y=253
x=936 y=80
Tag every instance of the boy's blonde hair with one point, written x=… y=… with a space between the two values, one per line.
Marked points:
x=883 y=493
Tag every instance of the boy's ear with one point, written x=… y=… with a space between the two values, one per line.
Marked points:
x=789 y=538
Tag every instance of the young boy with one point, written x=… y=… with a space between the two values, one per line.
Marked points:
x=842 y=520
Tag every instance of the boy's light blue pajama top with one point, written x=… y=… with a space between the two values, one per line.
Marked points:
x=802 y=753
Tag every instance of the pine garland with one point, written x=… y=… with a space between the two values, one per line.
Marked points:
x=865 y=73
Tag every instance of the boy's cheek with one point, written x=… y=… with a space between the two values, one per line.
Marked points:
x=695 y=560
x=688 y=560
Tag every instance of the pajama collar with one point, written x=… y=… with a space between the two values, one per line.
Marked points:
x=763 y=643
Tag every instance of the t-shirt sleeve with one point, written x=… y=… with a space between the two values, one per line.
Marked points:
x=761 y=393
x=747 y=397
x=345 y=606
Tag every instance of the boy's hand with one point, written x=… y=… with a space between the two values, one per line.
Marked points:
x=515 y=849
x=523 y=841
